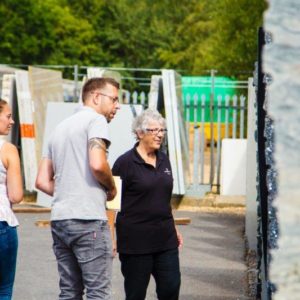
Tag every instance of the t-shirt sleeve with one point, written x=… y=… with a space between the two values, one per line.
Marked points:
x=116 y=169
x=98 y=128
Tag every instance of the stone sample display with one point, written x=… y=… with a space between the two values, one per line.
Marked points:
x=281 y=61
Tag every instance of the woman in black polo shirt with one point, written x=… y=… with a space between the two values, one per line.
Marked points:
x=147 y=240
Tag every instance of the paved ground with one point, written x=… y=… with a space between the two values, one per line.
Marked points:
x=212 y=259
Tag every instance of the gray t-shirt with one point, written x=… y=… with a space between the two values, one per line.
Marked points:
x=77 y=194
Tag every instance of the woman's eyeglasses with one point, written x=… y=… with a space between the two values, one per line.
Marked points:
x=156 y=131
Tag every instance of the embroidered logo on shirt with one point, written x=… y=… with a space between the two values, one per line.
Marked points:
x=167 y=171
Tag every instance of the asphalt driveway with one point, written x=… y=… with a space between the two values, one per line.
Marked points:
x=212 y=259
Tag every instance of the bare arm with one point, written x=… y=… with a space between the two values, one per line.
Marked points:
x=179 y=235
x=11 y=161
x=45 y=177
x=100 y=167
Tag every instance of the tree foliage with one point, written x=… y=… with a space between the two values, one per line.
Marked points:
x=234 y=44
x=189 y=35
x=217 y=34
x=43 y=32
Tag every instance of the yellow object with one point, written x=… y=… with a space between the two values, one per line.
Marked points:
x=207 y=130
x=115 y=204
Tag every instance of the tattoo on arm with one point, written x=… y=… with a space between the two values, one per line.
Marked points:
x=98 y=144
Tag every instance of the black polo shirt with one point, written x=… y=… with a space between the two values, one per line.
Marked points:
x=145 y=223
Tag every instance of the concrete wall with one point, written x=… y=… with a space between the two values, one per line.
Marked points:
x=282 y=62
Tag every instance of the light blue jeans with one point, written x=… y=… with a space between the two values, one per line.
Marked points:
x=83 y=250
x=8 y=259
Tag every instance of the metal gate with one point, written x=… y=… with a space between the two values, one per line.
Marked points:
x=208 y=120
x=227 y=117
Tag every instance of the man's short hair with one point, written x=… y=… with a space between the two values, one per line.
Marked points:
x=97 y=83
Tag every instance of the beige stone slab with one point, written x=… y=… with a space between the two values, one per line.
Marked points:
x=45 y=86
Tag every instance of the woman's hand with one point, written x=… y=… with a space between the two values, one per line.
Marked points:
x=179 y=238
x=114 y=248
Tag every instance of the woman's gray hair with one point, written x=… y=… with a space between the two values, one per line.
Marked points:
x=142 y=121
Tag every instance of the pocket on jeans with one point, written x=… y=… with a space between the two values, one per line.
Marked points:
x=85 y=246
x=93 y=244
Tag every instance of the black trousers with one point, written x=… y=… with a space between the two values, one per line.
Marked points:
x=137 y=269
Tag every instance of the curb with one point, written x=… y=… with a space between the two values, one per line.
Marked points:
x=30 y=208
x=208 y=201
x=178 y=203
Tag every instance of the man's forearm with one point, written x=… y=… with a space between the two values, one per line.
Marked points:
x=105 y=178
x=47 y=187
x=99 y=164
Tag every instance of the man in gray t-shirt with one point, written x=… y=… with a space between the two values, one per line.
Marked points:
x=74 y=170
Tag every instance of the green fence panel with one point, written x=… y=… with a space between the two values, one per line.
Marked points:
x=195 y=87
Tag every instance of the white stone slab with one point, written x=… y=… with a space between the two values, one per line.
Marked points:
x=251 y=169
x=45 y=86
x=154 y=92
x=233 y=167
x=7 y=94
x=55 y=113
x=122 y=138
x=120 y=132
x=177 y=137
x=25 y=106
